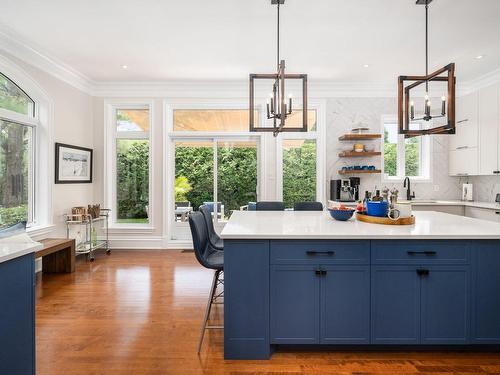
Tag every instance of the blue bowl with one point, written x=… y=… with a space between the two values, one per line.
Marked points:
x=379 y=209
x=341 y=215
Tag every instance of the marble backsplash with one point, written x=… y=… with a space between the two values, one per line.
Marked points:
x=485 y=187
x=343 y=113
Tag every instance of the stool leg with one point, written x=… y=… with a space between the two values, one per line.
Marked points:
x=207 y=310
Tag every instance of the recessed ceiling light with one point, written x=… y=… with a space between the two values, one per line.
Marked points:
x=479 y=57
x=124 y=67
x=366 y=66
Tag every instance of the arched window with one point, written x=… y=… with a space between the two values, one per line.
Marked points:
x=18 y=124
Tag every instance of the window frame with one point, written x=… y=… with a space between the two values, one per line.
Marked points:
x=31 y=121
x=110 y=161
x=181 y=230
x=43 y=147
x=425 y=159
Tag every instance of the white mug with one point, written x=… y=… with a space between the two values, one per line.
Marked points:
x=404 y=209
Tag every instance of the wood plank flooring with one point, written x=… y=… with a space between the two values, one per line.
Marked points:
x=139 y=312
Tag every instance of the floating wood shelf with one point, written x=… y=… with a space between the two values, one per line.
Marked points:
x=359 y=137
x=348 y=154
x=356 y=171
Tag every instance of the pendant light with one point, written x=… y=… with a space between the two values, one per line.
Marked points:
x=279 y=106
x=408 y=112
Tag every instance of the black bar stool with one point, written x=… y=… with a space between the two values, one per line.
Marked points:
x=208 y=258
x=270 y=206
x=308 y=206
x=215 y=241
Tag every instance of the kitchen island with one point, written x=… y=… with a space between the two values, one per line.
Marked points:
x=17 y=305
x=302 y=278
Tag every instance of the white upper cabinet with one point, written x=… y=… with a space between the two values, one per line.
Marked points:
x=466 y=123
x=463 y=162
x=464 y=154
x=498 y=138
x=489 y=128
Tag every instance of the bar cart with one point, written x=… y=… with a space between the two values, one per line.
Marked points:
x=90 y=241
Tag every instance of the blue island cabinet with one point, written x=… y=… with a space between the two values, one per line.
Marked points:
x=420 y=292
x=486 y=292
x=379 y=292
x=17 y=316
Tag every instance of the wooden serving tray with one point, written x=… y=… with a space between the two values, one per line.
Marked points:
x=385 y=220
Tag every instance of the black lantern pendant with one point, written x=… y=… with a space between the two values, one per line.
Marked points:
x=279 y=106
x=407 y=111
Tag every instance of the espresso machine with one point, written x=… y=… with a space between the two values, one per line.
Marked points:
x=345 y=190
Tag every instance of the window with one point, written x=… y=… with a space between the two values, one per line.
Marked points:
x=13 y=98
x=214 y=170
x=216 y=164
x=132 y=165
x=299 y=171
x=211 y=120
x=299 y=163
x=405 y=156
x=294 y=120
x=17 y=137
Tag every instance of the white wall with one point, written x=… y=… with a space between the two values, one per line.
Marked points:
x=71 y=124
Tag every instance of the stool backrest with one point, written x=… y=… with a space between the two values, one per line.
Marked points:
x=199 y=232
x=208 y=218
x=308 y=206
x=270 y=206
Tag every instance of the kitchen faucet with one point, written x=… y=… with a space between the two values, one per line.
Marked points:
x=409 y=196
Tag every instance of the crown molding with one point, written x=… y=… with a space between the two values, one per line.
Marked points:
x=485 y=80
x=24 y=50
x=15 y=45
x=234 y=89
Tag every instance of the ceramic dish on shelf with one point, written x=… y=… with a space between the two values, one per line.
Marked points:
x=359 y=129
x=358 y=147
x=369 y=148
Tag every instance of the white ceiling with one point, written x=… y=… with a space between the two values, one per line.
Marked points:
x=228 y=39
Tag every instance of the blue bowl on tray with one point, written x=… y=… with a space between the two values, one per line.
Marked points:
x=341 y=215
x=379 y=209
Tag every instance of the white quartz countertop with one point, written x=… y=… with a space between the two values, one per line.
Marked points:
x=12 y=250
x=440 y=202
x=320 y=225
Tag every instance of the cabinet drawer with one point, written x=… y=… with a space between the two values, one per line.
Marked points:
x=420 y=252
x=320 y=252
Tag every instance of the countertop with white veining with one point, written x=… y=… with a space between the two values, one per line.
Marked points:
x=441 y=202
x=12 y=250
x=320 y=225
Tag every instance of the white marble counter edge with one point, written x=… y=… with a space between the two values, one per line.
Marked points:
x=18 y=250
x=438 y=202
x=360 y=237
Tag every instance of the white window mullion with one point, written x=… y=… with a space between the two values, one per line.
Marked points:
x=216 y=174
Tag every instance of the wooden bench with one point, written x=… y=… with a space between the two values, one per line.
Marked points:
x=58 y=255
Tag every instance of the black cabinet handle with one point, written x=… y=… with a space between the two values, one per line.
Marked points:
x=320 y=272
x=497 y=212
x=422 y=272
x=317 y=272
x=313 y=252
x=421 y=252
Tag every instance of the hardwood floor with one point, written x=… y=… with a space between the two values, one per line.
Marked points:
x=139 y=312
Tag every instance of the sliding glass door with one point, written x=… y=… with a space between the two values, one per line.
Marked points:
x=217 y=172
x=236 y=176
x=299 y=171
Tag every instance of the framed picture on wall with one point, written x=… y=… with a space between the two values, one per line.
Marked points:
x=73 y=164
